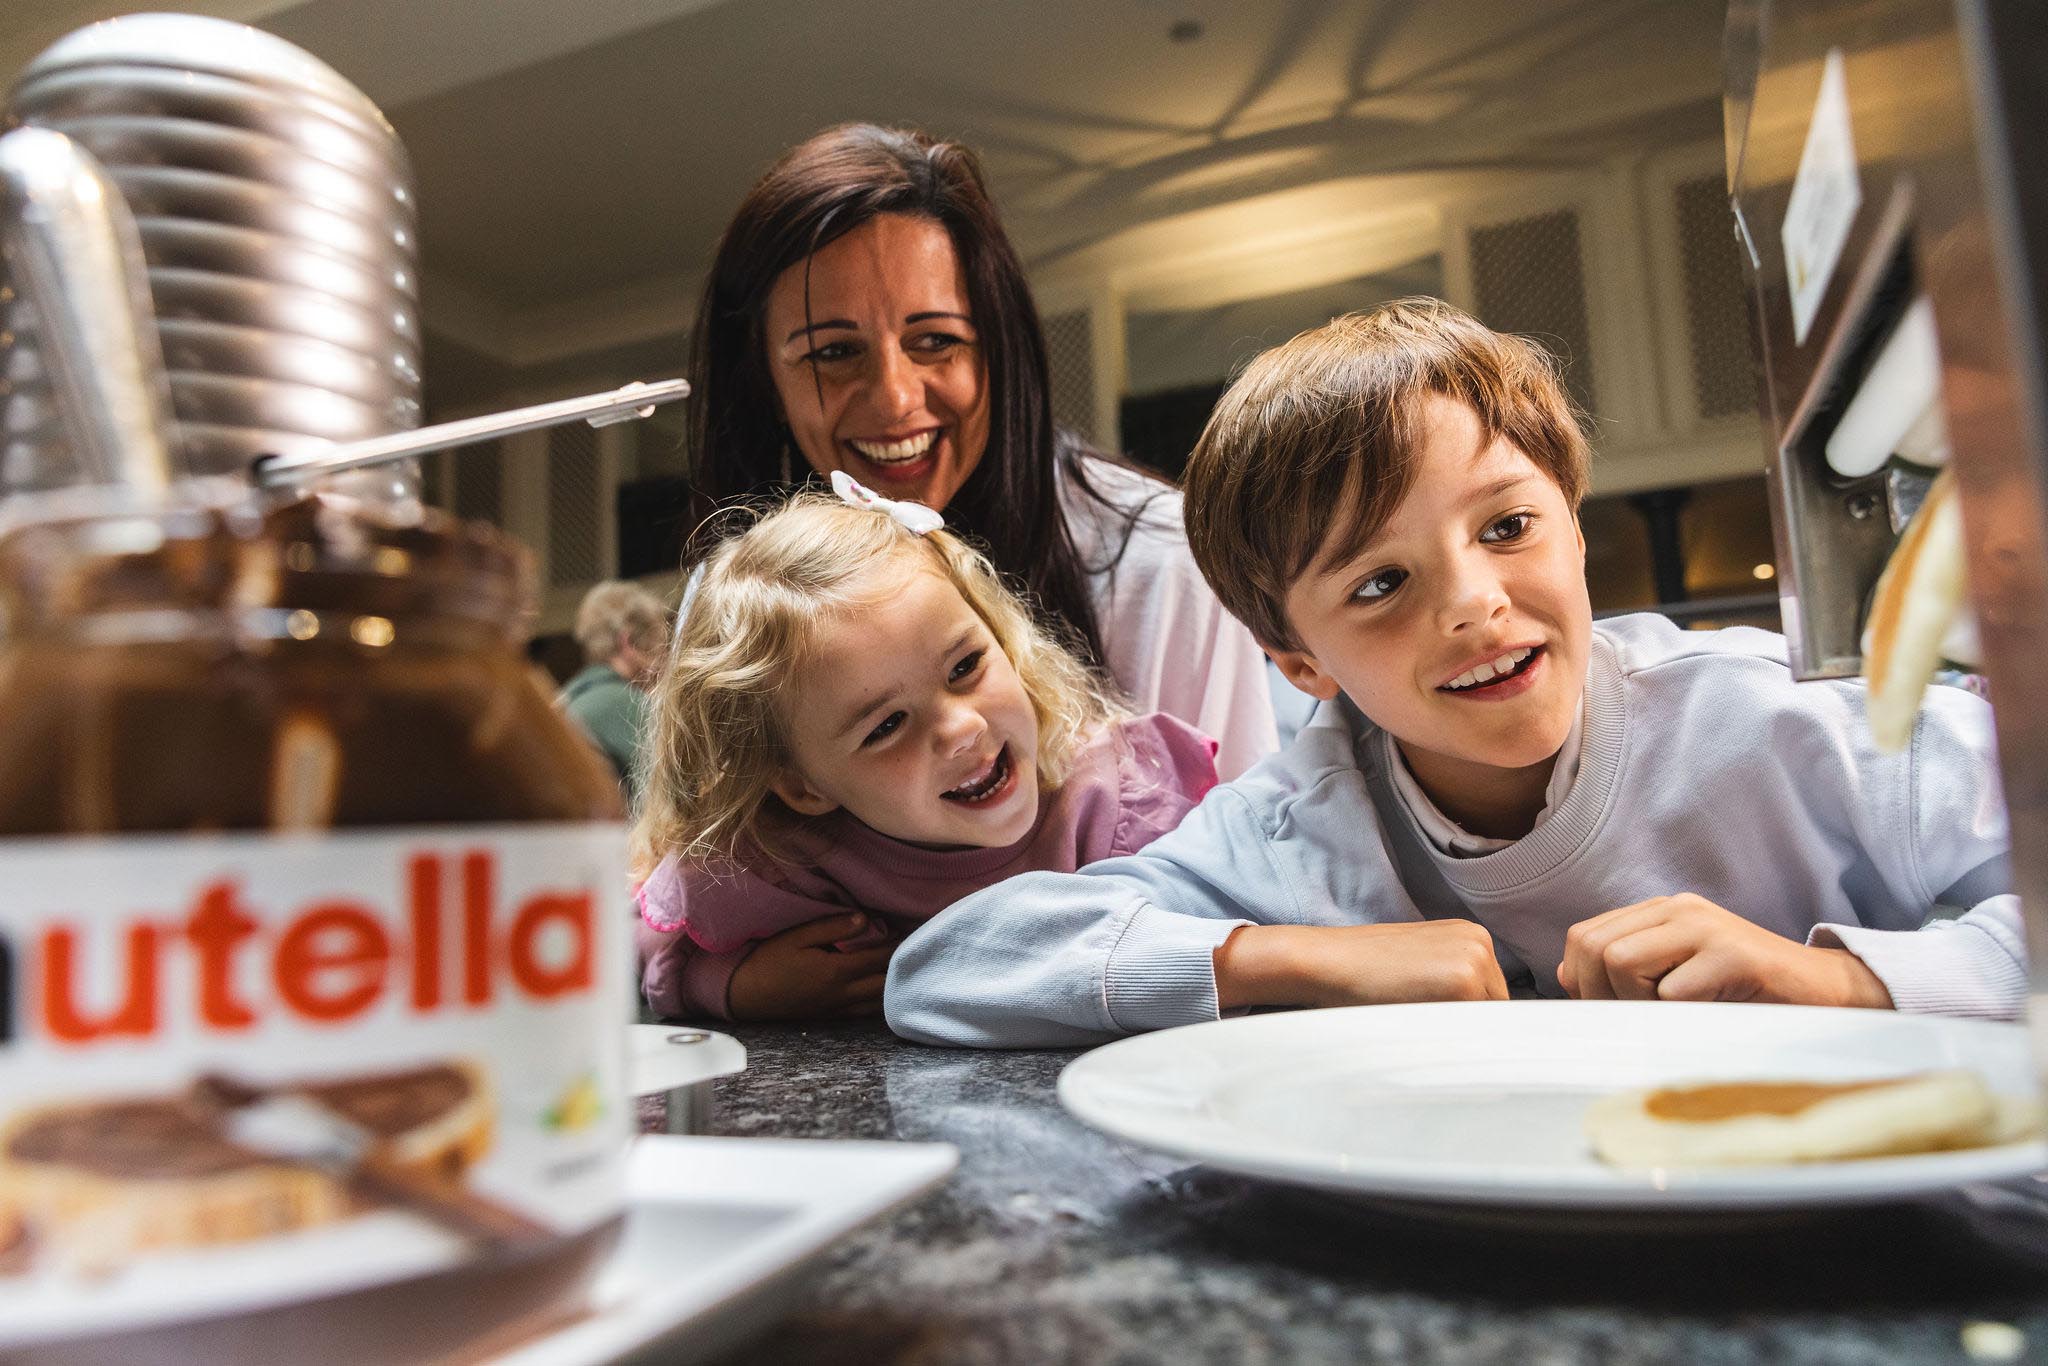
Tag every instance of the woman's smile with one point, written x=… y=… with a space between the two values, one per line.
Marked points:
x=906 y=460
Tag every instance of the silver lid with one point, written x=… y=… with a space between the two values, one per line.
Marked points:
x=192 y=42
x=275 y=211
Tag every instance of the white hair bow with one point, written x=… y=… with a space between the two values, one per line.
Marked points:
x=915 y=518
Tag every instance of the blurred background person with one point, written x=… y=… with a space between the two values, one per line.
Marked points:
x=624 y=632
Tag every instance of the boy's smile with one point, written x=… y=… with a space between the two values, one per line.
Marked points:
x=1462 y=628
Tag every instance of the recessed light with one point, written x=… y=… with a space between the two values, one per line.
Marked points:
x=1765 y=571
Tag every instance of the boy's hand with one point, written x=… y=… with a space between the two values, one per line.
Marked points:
x=797 y=974
x=1348 y=965
x=1685 y=948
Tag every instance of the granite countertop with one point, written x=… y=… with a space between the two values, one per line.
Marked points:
x=1054 y=1243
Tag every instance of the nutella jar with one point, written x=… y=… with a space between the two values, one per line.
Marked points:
x=313 y=972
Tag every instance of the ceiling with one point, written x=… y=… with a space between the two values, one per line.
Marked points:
x=575 y=162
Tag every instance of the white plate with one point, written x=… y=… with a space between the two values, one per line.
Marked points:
x=1482 y=1103
x=718 y=1234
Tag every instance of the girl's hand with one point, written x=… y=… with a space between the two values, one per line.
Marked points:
x=797 y=974
x=1344 y=965
x=1685 y=948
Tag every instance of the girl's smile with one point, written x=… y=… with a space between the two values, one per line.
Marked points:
x=992 y=784
x=909 y=716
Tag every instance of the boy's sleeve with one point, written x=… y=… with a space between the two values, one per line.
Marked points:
x=1954 y=853
x=1975 y=965
x=1124 y=945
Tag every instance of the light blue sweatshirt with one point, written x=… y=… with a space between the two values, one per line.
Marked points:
x=1704 y=769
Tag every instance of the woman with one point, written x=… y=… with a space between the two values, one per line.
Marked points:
x=865 y=312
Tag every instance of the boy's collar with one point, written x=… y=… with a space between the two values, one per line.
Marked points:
x=1446 y=834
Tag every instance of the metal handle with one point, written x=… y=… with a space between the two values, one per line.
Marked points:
x=599 y=410
x=72 y=248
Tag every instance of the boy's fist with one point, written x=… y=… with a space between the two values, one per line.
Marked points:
x=1349 y=965
x=1685 y=948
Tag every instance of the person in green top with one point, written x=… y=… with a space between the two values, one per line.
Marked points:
x=624 y=631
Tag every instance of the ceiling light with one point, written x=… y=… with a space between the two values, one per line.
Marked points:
x=1765 y=571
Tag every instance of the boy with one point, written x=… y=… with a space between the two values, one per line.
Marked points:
x=1494 y=790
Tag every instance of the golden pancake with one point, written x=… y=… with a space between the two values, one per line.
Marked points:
x=1756 y=1123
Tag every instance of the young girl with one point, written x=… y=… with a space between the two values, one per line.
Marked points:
x=858 y=725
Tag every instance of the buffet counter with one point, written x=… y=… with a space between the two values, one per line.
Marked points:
x=1053 y=1243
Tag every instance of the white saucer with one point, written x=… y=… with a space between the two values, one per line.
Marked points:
x=719 y=1234
x=1482 y=1104
x=668 y=1057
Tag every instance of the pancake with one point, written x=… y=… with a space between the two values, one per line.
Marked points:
x=1918 y=602
x=1758 y=1123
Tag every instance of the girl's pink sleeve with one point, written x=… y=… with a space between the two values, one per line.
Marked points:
x=1170 y=767
x=680 y=978
x=682 y=981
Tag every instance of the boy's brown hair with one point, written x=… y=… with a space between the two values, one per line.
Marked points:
x=1312 y=448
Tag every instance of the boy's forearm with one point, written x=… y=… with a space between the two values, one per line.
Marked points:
x=1263 y=965
x=1332 y=965
x=1852 y=981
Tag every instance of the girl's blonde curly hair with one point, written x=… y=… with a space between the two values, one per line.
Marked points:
x=717 y=736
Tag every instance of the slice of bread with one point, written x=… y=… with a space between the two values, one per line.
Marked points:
x=104 y=1181
x=1745 y=1123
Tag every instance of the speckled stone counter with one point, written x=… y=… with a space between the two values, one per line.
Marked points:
x=1054 y=1243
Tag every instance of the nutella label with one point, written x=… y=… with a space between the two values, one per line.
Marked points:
x=239 y=1071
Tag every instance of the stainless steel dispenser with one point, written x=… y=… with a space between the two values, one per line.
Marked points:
x=276 y=214
x=1883 y=164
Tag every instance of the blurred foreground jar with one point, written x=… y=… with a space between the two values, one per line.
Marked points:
x=312 y=980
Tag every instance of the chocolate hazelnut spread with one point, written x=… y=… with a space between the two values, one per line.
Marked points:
x=208 y=681
x=396 y=1103
x=1705 y=1104
x=181 y=1136
x=148 y=1139
x=286 y=785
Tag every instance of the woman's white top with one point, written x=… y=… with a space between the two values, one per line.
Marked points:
x=1169 y=644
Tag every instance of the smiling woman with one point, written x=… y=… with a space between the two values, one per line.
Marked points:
x=865 y=312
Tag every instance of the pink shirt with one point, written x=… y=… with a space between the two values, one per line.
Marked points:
x=1128 y=786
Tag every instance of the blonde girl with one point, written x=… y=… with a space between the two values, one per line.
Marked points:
x=859 y=724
